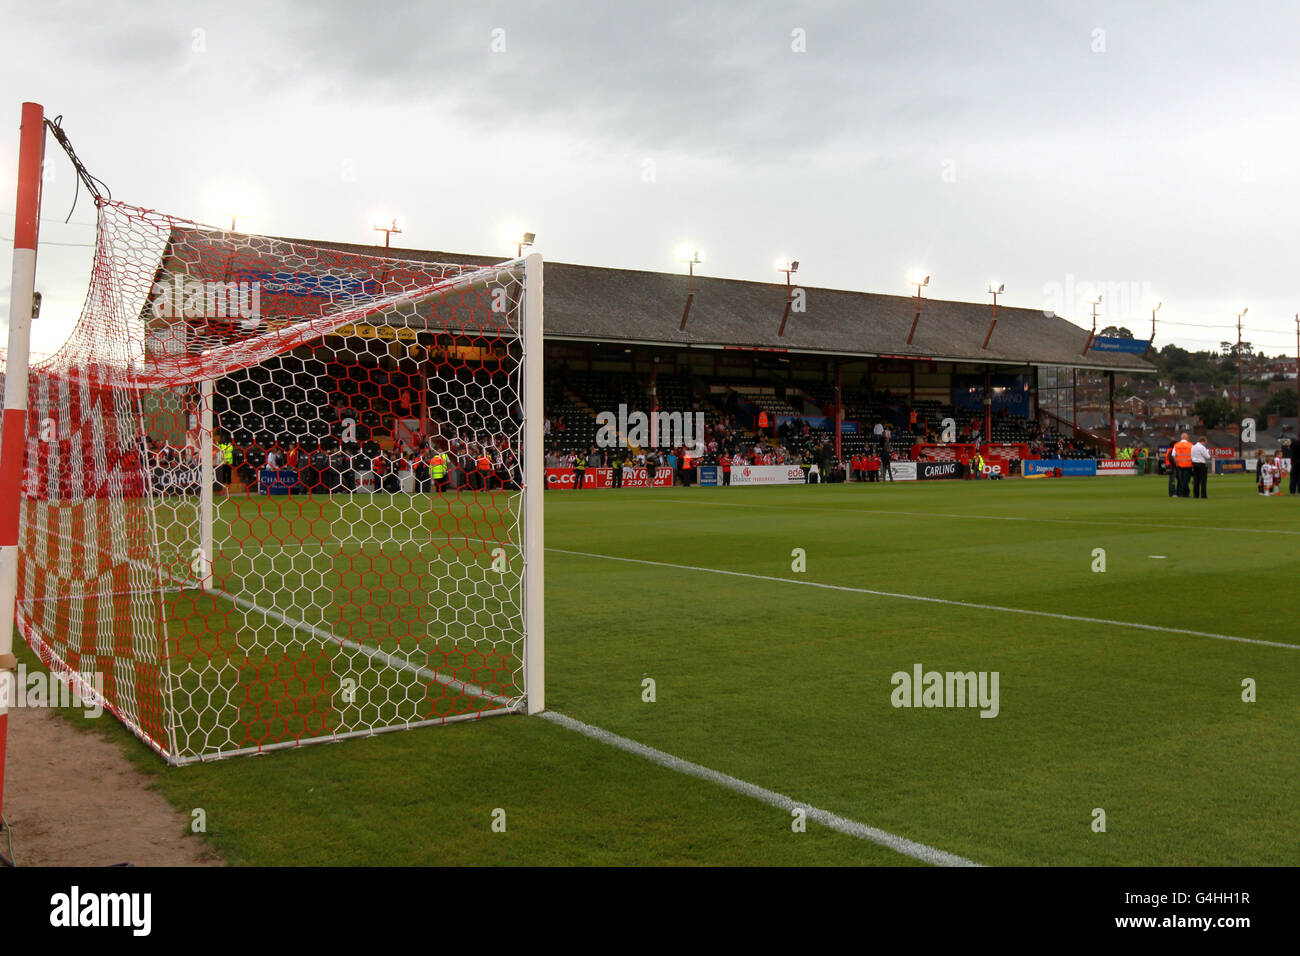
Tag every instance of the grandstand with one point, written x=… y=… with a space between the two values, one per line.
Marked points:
x=843 y=365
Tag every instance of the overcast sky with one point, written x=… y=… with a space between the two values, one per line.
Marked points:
x=1141 y=149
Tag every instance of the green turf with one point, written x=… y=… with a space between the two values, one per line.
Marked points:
x=788 y=686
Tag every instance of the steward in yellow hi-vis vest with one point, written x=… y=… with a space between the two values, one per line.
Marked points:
x=438 y=471
x=226 y=467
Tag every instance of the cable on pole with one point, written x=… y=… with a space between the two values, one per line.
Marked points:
x=94 y=185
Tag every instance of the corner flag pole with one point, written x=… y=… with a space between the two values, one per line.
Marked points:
x=31 y=157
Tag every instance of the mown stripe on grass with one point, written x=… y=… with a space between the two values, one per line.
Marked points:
x=966 y=516
x=833 y=821
x=935 y=600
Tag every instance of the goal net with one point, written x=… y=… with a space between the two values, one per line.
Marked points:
x=277 y=493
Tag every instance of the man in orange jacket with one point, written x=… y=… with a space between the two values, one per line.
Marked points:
x=1183 y=462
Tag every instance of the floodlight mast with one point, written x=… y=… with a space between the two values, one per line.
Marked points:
x=995 y=289
x=919 y=281
x=1093 y=334
x=1243 y=311
x=691 y=262
x=389 y=231
x=1153 y=311
x=789 y=267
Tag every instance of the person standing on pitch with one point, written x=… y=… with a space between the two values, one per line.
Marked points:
x=438 y=468
x=1267 y=476
x=1200 y=467
x=1294 y=485
x=1183 y=462
x=579 y=471
x=1171 y=471
x=886 y=456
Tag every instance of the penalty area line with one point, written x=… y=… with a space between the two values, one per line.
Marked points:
x=934 y=600
x=832 y=821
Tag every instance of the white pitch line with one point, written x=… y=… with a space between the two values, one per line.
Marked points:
x=935 y=600
x=833 y=821
x=374 y=653
x=973 y=517
x=1075 y=521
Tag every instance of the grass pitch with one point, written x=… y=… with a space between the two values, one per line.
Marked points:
x=782 y=678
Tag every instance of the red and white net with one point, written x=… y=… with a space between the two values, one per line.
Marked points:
x=355 y=566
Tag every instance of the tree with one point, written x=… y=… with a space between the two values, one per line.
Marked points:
x=1116 y=332
x=1171 y=357
x=1214 y=412
x=1282 y=403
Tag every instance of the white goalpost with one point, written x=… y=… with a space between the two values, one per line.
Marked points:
x=207 y=478
x=534 y=486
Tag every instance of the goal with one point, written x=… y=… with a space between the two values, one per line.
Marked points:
x=278 y=493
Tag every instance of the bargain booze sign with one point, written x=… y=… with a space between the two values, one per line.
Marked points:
x=1116 y=466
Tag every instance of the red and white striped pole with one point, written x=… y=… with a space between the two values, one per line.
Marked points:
x=31 y=159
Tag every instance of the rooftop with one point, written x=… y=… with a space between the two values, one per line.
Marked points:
x=629 y=306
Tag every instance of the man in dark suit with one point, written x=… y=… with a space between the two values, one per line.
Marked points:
x=1201 y=460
